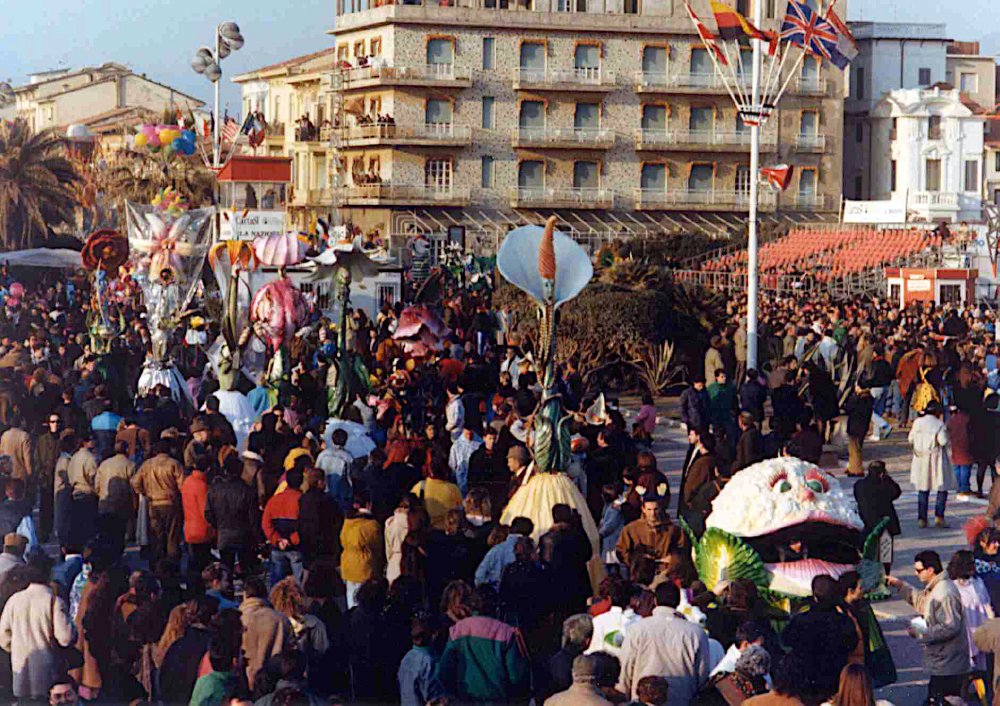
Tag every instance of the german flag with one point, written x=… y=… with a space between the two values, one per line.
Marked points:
x=733 y=25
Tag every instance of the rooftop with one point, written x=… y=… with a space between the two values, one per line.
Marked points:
x=900 y=30
x=284 y=66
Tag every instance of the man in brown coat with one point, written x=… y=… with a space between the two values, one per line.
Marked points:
x=159 y=479
x=653 y=535
x=266 y=632
x=16 y=443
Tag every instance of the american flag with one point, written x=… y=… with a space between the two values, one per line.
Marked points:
x=230 y=130
x=808 y=30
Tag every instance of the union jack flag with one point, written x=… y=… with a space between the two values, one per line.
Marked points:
x=808 y=30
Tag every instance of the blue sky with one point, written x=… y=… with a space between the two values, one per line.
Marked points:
x=159 y=38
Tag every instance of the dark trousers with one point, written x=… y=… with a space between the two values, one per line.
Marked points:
x=83 y=519
x=165 y=532
x=247 y=557
x=112 y=527
x=198 y=557
x=940 y=686
x=46 y=503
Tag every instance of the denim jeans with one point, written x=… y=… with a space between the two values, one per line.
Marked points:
x=923 y=497
x=284 y=563
x=962 y=474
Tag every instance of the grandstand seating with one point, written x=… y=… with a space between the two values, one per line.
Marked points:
x=828 y=253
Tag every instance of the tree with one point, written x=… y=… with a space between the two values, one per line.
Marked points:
x=35 y=184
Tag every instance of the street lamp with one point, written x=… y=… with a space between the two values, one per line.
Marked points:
x=208 y=62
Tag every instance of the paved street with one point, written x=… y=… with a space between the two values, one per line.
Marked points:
x=894 y=614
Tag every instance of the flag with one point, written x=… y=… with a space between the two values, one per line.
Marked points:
x=778 y=176
x=257 y=130
x=180 y=119
x=707 y=38
x=807 y=29
x=733 y=25
x=230 y=130
x=247 y=125
x=845 y=48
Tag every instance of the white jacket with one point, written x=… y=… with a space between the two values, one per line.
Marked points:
x=931 y=465
x=29 y=623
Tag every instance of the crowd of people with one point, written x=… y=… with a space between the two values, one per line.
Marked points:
x=292 y=568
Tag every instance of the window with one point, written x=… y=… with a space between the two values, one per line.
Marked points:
x=489 y=53
x=701 y=65
x=893 y=124
x=653 y=177
x=531 y=174
x=587 y=116
x=532 y=115
x=996 y=196
x=342 y=53
x=895 y=292
x=932 y=175
x=359 y=48
x=438 y=111
x=586 y=175
x=440 y=52
x=742 y=179
x=934 y=127
x=996 y=161
x=587 y=58
x=277 y=110
x=375 y=105
x=654 y=62
x=654 y=118
x=487 y=178
x=701 y=177
x=533 y=56
x=807 y=182
x=972 y=175
x=859 y=82
x=631 y=7
x=769 y=8
x=808 y=123
x=701 y=120
x=437 y=173
x=924 y=76
x=375 y=46
x=892 y=175
x=743 y=7
x=951 y=293
x=809 y=75
x=489 y=103
x=859 y=132
x=968 y=83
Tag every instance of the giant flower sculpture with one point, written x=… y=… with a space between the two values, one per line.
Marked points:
x=420 y=331
x=104 y=252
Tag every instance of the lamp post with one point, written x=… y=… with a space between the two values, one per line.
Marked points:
x=208 y=62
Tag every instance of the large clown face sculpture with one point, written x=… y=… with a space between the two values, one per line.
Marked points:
x=780 y=523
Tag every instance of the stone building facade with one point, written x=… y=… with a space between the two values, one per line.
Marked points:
x=608 y=116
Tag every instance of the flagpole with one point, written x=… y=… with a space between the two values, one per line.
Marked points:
x=752 y=285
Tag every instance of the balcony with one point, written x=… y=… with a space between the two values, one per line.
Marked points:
x=810 y=143
x=681 y=81
x=579 y=80
x=423 y=135
x=934 y=206
x=810 y=202
x=810 y=86
x=564 y=138
x=685 y=139
x=311 y=197
x=421 y=75
x=274 y=133
x=546 y=197
x=404 y=195
x=699 y=200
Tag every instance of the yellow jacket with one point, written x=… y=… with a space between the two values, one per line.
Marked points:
x=363 y=552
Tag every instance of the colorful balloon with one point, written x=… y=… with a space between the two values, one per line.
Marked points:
x=189 y=136
x=141 y=139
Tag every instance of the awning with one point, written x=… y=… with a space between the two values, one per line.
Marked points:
x=59 y=258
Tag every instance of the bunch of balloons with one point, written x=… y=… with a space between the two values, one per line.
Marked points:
x=168 y=139
x=170 y=202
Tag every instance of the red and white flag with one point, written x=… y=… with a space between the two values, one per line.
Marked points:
x=230 y=130
x=778 y=176
x=707 y=38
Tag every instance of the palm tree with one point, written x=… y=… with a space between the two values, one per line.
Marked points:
x=35 y=185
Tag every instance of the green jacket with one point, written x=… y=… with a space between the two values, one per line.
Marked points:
x=721 y=402
x=484 y=660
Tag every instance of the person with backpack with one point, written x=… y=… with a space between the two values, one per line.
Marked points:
x=931 y=465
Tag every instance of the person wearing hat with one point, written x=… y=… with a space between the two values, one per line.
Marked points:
x=14 y=546
x=201 y=434
x=930 y=468
x=584 y=691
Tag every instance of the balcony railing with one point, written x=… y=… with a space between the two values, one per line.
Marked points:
x=405 y=194
x=555 y=197
x=566 y=137
x=682 y=138
x=312 y=197
x=274 y=130
x=810 y=142
x=417 y=74
x=681 y=79
x=810 y=85
x=569 y=79
x=698 y=198
x=426 y=133
x=810 y=202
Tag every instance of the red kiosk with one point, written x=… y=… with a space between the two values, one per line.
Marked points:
x=253 y=193
x=940 y=285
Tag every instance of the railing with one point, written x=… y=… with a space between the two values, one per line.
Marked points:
x=593 y=197
x=395 y=131
x=416 y=72
x=656 y=198
x=805 y=141
x=809 y=202
x=407 y=192
x=681 y=79
x=729 y=281
x=675 y=136
x=578 y=77
x=549 y=135
x=274 y=130
x=810 y=85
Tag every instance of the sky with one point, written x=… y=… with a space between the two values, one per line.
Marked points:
x=159 y=38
